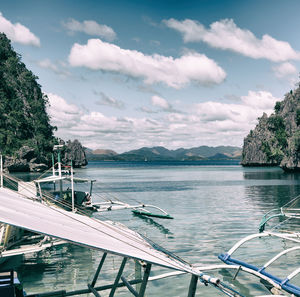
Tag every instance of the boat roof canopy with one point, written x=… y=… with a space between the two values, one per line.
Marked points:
x=50 y=179
x=106 y=236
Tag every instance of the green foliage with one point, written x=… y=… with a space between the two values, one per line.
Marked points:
x=277 y=126
x=276 y=123
x=272 y=154
x=23 y=116
x=265 y=147
x=296 y=142
x=277 y=106
x=277 y=155
x=298 y=117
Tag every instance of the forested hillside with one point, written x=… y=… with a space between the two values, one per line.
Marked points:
x=23 y=117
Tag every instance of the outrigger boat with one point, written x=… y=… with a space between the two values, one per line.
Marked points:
x=41 y=217
x=288 y=237
x=84 y=200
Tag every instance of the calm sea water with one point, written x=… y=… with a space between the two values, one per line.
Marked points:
x=213 y=206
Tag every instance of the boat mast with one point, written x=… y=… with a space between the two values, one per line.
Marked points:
x=58 y=148
x=53 y=165
x=72 y=186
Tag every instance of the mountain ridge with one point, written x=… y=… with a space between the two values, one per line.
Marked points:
x=160 y=153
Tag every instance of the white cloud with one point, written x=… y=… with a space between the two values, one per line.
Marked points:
x=162 y=105
x=225 y=34
x=57 y=69
x=174 y=72
x=17 y=32
x=91 y=28
x=261 y=100
x=63 y=114
x=285 y=70
x=109 y=101
x=160 y=102
x=242 y=116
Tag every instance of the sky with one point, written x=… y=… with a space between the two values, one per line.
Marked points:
x=126 y=74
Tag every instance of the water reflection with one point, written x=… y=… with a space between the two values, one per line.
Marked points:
x=152 y=222
x=271 y=186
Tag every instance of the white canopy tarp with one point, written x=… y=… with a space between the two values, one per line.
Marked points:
x=55 y=178
x=82 y=230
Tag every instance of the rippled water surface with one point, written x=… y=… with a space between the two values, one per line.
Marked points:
x=213 y=206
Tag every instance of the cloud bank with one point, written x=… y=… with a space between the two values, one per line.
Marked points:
x=174 y=72
x=17 y=32
x=226 y=35
x=90 y=28
x=206 y=123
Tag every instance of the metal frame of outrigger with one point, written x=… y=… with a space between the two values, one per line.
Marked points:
x=92 y=288
x=260 y=271
x=142 y=281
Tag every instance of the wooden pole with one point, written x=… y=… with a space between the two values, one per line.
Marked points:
x=193 y=286
x=93 y=291
x=113 y=289
x=138 y=273
x=98 y=270
x=145 y=280
x=129 y=286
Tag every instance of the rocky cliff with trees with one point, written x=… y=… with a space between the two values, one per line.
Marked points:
x=26 y=135
x=275 y=141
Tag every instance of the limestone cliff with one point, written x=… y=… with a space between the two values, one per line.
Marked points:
x=276 y=139
x=74 y=152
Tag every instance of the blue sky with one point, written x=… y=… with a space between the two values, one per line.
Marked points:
x=127 y=74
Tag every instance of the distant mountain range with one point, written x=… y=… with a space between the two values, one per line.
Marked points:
x=160 y=153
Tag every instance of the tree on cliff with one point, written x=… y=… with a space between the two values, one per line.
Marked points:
x=23 y=116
